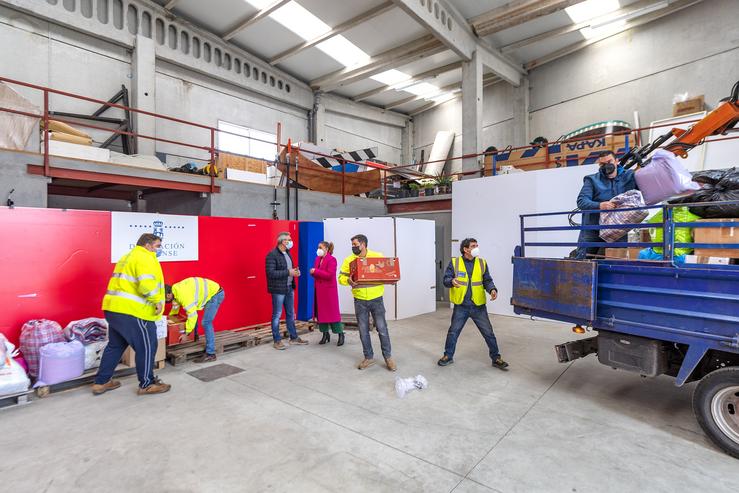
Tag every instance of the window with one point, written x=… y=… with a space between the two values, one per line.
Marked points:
x=245 y=142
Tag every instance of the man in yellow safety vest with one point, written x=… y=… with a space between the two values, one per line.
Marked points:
x=133 y=302
x=469 y=281
x=367 y=299
x=193 y=294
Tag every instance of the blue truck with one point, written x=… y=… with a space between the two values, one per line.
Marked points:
x=649 y=317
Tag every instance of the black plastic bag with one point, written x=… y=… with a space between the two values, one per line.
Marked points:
x=719 y=185
x=726 y=178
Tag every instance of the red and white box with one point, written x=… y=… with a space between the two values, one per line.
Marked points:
x=383 y=270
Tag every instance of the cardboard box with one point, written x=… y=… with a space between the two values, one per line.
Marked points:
x=385 y=270
x=624 y=253
x=692 y=105
x=727 y=235
x=174 y=331
x=694 y=259
x=129 y=356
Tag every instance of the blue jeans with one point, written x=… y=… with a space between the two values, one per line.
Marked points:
x=288 y=301
x=123 y=331
x=209 y=313
x=479 y=315
x=363 y=308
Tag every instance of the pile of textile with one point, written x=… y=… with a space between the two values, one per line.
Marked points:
x=717 y=185
x=632 y=198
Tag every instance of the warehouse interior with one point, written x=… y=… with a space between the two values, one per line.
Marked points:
x=557 y=177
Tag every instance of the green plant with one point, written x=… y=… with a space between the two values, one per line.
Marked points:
x=430 y=185
x=442 y=179
x=414 y=186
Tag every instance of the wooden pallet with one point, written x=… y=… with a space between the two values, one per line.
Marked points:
x=87 y=378
x=230 y=340
x=13 y=400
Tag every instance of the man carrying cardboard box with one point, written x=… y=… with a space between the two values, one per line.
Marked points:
x=367 y=299
x=193 y=294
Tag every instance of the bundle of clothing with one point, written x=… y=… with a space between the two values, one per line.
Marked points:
x=632 y=198
x=87 y=330
x=717 y=185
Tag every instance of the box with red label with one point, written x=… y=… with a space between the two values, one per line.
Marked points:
x=175 y=330
x=385 y=270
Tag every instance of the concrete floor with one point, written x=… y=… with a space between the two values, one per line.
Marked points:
x=306 y=420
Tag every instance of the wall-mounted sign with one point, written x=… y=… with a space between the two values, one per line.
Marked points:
x=179 y=234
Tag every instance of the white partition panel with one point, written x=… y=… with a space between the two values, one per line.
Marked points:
x=416 y=247
x=488 y=210
x=380 y=235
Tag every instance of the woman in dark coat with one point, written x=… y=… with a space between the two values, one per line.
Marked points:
x=327 y=293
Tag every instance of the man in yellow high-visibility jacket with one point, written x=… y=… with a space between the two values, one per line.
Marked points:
x=133 y=302
x=193 y=294
x=367 y=299
x=469 y=282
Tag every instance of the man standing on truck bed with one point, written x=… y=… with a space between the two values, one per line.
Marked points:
x=597 y=191
x=469 y=281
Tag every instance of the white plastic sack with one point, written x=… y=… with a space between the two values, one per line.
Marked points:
x=161 y=328
x=13 y=378
x=94 y=353
x=664 y=177
x=6 y=348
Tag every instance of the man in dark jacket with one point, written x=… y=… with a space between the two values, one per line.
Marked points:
x=597 y=191
x=281 y=285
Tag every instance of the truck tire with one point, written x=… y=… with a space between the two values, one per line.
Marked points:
x=716 y=407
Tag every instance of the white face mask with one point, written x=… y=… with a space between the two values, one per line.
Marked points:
x=289 y=245
x=475 y=252
x=320 y=252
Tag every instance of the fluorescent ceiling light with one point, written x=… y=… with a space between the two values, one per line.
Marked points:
x=590 y=9
x=422 y=89
x=343 y=51
x=391 y=77
x=603 y=30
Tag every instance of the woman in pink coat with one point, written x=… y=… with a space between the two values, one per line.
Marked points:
x=327 y=293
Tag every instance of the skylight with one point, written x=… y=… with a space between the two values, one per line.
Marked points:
x=343 y=51
x=391 y=77
x=603 y=30
x=300 y=20
x=590 y=9
x=423 y=89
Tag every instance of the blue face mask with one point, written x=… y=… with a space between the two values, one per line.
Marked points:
x=159 y=252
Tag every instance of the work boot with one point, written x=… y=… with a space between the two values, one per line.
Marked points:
x=445 y=361
x=366 y=363
x=326 y=338
x=101 y=388
x=279 y=345
x=391 y=364
x=298 y=341
x=205 y=358
x=341 y=340
x=158 y=387
x=500 y=364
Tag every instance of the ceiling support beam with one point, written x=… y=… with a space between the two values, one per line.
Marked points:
x=639 y=21
x=170 y=5
x=623 y=12
x=254 y=18
x=343 y=27
x=447 y=25
x=413 y=80
x=516 y=13
x=420 y=48
x=450 y=87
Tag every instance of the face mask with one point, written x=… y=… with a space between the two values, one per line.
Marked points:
x=289 y=245
x=475 y=252
x=158 y=251
x=320 y=252
x=608 y=169
x=356 y=250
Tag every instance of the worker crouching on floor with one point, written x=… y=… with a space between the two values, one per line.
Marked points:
x=367 y=299
x=281 y=285
x=133 y=302
x=194 y=294
x=327 y=293
x=469 y=281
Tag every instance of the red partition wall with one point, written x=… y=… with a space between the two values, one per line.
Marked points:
x=55 y=264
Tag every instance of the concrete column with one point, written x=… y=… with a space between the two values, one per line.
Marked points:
x=471 y=111
x=143 y=92
x=318 y=125
x=521 y=122
x=406 y=144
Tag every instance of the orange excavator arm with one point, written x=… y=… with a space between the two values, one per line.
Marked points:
x=718 y=122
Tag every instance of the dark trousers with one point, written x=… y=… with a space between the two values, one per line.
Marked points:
x=589 y=236
x=479 y=315
x=363 y=309
x=124 y=331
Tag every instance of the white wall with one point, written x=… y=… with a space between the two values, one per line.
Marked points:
x=693 y=50
x=349 y=134
x=488 y=210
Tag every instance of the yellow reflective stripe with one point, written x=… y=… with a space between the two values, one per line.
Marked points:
x=193 y=314
x=154 y=291
x=145 y=276
x=121 y=275
x=205 y=296
x=476 y=283
x=129 y=296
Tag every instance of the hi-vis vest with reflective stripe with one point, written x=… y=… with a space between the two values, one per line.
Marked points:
x=456 y=294
x=365 y=294
x=192 y=294
x=136 y=286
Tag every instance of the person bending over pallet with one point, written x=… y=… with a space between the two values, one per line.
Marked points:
x=193 y=294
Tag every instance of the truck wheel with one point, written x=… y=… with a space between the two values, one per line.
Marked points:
x=716 y=407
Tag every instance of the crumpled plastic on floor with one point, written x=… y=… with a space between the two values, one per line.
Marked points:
x=405 y=385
